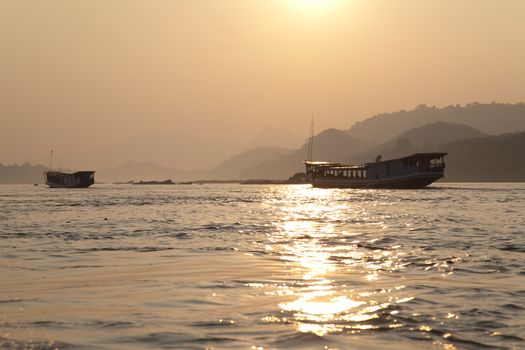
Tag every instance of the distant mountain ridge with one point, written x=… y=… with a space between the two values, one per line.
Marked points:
x=486 y=159
x=177 y=149
x=428 y=138
x=233 y=167
x=400 y=133
x=472 y=158
x=440 y=132
x=475 y=135
x=26 y=173
x=329 y=144
x=493 y=118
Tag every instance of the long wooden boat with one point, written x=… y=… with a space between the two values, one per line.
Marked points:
x=79 y=179
x=411 y=172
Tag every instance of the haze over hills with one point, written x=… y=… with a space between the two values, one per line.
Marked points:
x=329 y=144
x=273 y=137
x=86 y=84
x=233 y=167
x=226 y=170
x=230 y=169
x=176 y=149
x=338 y=145
x=171 y=148
x=145 y=171
x=420 y=130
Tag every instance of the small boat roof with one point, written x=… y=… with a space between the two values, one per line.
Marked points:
x=51 y=172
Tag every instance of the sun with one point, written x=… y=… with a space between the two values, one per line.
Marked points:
x=314 y=6
x=315 y=3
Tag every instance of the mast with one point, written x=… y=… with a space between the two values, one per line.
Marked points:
x=311 y=141
x=50 y=160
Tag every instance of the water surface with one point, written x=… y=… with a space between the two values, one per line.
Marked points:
x=262 y=267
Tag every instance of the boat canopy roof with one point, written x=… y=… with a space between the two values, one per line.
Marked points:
x=316 y=162
x=340 y=166
x=425 y=154
x=333 y=165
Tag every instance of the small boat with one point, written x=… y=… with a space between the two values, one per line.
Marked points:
x=59 y=179
x=411 y=172
x=79 y=179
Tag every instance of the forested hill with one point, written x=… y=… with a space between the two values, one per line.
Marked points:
x=493 y=118
x=487 y=159
x=428 y=138
x=21 y=174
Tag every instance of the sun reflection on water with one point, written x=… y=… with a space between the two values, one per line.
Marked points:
x=335 y=284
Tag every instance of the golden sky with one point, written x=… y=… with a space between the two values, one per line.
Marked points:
x=103 y=70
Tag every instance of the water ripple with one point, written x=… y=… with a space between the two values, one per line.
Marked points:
x=237 y=267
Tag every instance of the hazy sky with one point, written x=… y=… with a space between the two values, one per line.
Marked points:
x=74 y=74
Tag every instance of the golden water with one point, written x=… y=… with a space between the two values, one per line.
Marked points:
x=262 y=267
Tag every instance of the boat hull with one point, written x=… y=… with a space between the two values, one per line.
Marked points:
x=410 y=172
x=58 y=185
x=80 y=179
x=414 y=181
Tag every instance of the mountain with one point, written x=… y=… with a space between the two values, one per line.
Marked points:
x=427 y=138
x=175 y=149
x=399 y=133
x=454 y=129
x=492 y=158
x=22 y=174
x=233 y=167
x=494 y=118
x=472 y=155
x=329 y=144
x=171 y=148
x=273 y=137
x=440 y=132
